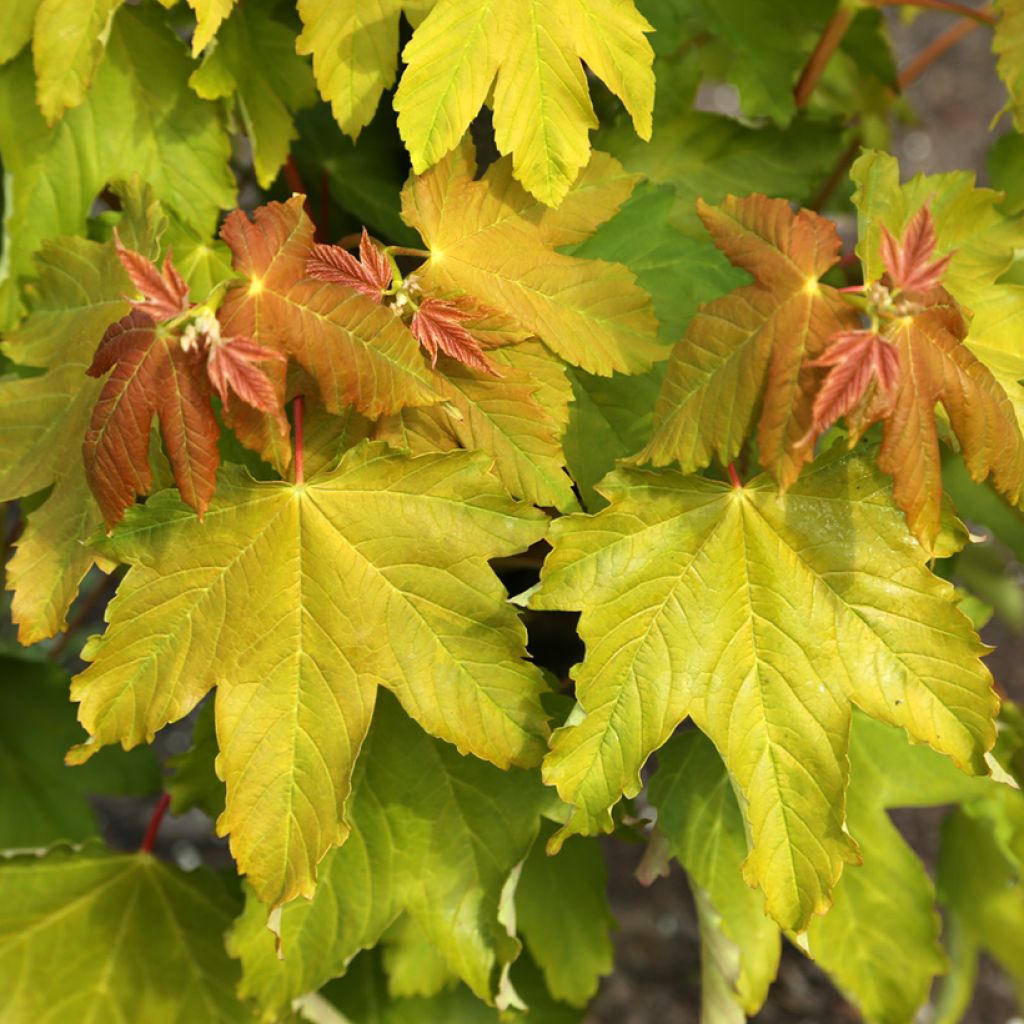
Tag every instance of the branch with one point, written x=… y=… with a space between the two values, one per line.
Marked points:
x=818 y=61
x=153 y=827
x=982 y=15
x=937 y=48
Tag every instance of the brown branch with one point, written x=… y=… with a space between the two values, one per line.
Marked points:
x=936 y=49
x=982 y=15
x=827 y=45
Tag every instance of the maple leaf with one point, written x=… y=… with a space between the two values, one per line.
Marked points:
x=232 y=365
x=425 y=840
x=164 y=292
x=152 y=375
x=909 y=261
x=358 y=352
x=518 y=419
x=297 y=668
x=491 y=240
x=437 y=326
x=532 y=52
x=725 y=604
x=370 y=274
x=865 y=372
x=120 y=936
x=751 y=349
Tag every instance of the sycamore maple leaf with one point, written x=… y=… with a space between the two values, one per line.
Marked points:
x=437 y=324
x=750 y=350
x=370 y=274
x=909 y=260
x=899 y=376
x=861 y=385
x=159 y=370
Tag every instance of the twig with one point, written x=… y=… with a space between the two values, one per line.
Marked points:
x=146 y=846
x=838 y=173
x=939 y=46
x=818 y=61
x=299 y=450
x=982 y=15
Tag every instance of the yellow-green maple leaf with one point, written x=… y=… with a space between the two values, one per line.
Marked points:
x=88 y=934
x=68 y=42
x=209 y=15
x=297 y=602
x=764 y=617
x=354 y=44
x=532 y=51
x=492 y=240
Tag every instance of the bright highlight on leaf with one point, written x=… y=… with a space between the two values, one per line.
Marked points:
x=531 y=51
x=355 y=606
x=764 y=618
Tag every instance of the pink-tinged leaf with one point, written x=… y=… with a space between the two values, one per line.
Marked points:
x=437 y=326
x=864 y=376
x=233 y=366
x=151 y=375
x=909 y=260
x=164 y=293
x=370 y=274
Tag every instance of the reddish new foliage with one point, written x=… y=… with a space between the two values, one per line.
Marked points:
x=437 y=325
x=166 y=372
x=908 y=260
x=152 y=374
x=862 y=384
x=165 y=293
x=370 y=274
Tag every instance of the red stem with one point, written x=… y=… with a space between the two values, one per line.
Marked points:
x=297 y=417
x=818 y=61
x=154 y=823
x=937 y=49
x=734 y=477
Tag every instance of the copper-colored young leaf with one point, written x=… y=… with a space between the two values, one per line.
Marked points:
x=438 y=326
x=864 y=376
x=909 y=259
x=233 y=368
x=370 y=274
x=938 y=367
x=164 y=292
x=358 y=352
x=152 y=375
x=752 y=347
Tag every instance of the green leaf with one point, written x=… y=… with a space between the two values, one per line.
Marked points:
x=18 y=25
x=67 y=47
x=763 y=617
x=80 y=292
x=532 y=52
x=414 y=965
x=94 y=934
x=707 y=156
x=297 y=668
x=254 y=60
x=981 y=889
x=491 y=239
x=562 y=905
x=1008 y=45
x=699 y=816
x=139 y=117
x=45 y=801
x=434 y=834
